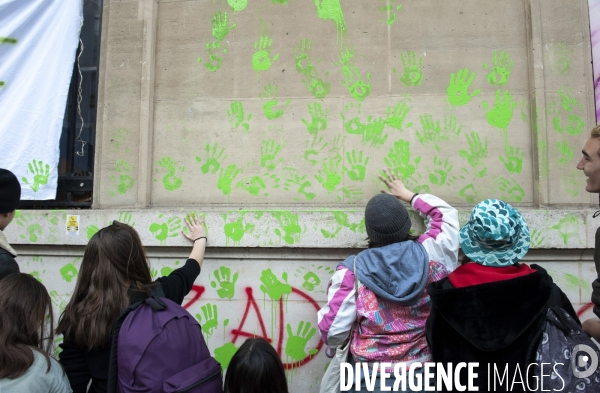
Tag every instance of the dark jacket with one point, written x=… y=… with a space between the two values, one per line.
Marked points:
x=596 y=283
x=495 y=323
x=82 y=365
x=8 y=265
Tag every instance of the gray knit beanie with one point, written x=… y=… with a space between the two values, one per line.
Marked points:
x=386 y=219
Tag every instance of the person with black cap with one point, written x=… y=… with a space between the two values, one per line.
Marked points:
x=10 y=195
x=391 y=305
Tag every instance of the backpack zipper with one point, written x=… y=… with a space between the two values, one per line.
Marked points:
x=199 y=382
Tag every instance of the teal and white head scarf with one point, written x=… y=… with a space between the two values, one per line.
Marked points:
x=496 y=234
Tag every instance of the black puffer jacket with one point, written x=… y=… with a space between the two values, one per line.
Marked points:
x=596 y=283
x=495 y=323
x=8 y=265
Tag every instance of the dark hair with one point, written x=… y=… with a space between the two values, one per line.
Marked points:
x=113 y=262
x=255 y=368
x=26 y=323
x=372 y=244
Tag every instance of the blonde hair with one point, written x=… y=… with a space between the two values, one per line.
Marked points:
x=595 y=133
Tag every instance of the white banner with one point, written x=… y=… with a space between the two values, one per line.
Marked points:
x=38 y=43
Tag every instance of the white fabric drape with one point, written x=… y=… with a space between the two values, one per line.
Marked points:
x=38 y=43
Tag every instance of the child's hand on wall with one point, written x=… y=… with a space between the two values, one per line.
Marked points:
x=396 y=186
x=197 y=235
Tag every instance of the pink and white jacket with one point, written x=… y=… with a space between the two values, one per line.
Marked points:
x=392 y=331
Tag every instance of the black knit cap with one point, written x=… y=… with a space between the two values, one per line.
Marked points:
x=386 y=219
x=10 y=191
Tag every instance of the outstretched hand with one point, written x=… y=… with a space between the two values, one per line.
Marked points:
x=195 y=224
x=395 y=186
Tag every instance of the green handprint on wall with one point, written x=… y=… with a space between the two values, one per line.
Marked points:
x=568 y=227
x=33 y=229
x=352 y=78
x=270 y=94
x=510 y=190
x=568 y=101
x=226 y=177
x=476 y=154
x=235 y=230
x=237 y=5
x=373 y=132
x=318 y=120
x=261 y=59
x=332 y=9
x=469 y=193
x=290 y=229
x=575 y=126
x=211 y=318
x=272 y=286
x=317 y=145
x=513 y=160
x=398 y=159
x=254 y=185
x=439 y=175
x=457 y=90
x=170 y=181
x=572 y=182
x=220 y=25
x=413 y=71
x=432 y=132
x=451 y=126
x=69 y=272
x=295 y=346
x=565 y=152
x=225 y=352
x=331 y=175
x=357 y=167
x=125 y=179
x=301 y=182
x=311 y=280
x=342 y=221
x=237 y=117
x=312 y=80
x=161 y=231
x=396 y=118
x=561 y=61
x=501 y=114
x=225 y=282
x=389 y=10
x=501 y=68
x=537 y=238
x=213 y=160
x=214 y=61
x=40 y=172
x=268 y=153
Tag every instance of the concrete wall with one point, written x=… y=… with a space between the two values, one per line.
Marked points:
x=467 y=99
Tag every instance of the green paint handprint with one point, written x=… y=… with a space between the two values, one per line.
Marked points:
x=211 y=318
x=432 y=132
x=236 y=115
x=253 y=185
x=398 y=159
x=510 y=189
x=163 y=230
x=261 y=59
x=513 y=160
x=90 y=231
x=373 y=132
x=226 y=178
x=501 y=114
x=331 y=175
x=311 y=280
x=568 y=101
x=554 y=112
x=357 y=168
x=451 y=126
x=69 y=272
x=291 y=229
x=332 y=9
x=313 y=82
x=214 y=61
x=318 y=119
x=561 y=55
x=301 y=182
x=501 y=68
x=389 y=9
x=457 y=89
x=220 y=25
x=572 y=182
x=477 y=152
x=469 y=193
x=270 y=91
x=237 y=5
x=268 y=152
x=575 y=126
x=224 y=353
x=413 y=72
x=214 y=158
x=126 y=218
x=226 y=282
x=537 y=238
x=352 y=79
x=317 y=145
x=235 y=230
x=396 y=118
x=125 y=179
x=40 y=172
x=440 y=171
x=33 y=229
x=295 y=346
x=170 y=181
x=568 y=227
x=272 y=286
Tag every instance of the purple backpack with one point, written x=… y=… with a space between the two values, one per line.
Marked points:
x=157 y=346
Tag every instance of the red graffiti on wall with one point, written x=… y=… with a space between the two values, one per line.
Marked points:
x=198 y=290
x=584 y=308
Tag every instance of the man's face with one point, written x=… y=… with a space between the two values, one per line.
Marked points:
x=590 y=164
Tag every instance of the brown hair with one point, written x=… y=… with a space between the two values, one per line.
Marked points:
x=26 y=323
x=114 y=261
x=595 y=133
